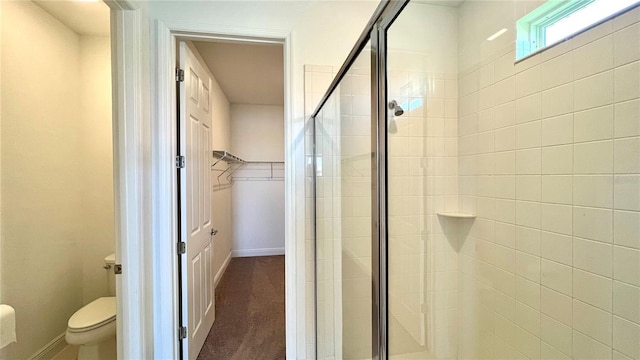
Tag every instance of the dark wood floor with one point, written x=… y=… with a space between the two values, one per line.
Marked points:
x=249 y=312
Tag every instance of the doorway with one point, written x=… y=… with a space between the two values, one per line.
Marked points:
x=231 y=117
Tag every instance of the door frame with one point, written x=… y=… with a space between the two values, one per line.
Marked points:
x=375 y=33
x=131 y=174
x=163 y=148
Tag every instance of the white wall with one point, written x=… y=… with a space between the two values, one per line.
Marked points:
x=258 y=217
x=315 y=26
x=549 y=162
x=257 y=134
x=57 y=173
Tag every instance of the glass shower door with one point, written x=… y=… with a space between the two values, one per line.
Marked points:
x=343 y=217
x=485 y=207
x=421 y=106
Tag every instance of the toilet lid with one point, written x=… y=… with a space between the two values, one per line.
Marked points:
x=94 y=314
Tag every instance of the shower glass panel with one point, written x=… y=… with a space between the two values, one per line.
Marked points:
x=508 y=191
x=343 y=217
x=422 y=180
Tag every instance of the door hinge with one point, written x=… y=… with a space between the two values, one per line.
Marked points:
x=117 y=269
x=182 y=332
x=182 y=248
x=180 y=162
x=179 y=75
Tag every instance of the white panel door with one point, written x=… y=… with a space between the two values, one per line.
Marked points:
x=198 y=310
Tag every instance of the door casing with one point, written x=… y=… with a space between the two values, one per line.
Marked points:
x=165 y=264
x=131 y=141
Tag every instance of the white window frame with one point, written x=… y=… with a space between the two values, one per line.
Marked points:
x=531 y=28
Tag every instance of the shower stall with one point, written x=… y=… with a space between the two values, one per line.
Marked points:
x=476 y=177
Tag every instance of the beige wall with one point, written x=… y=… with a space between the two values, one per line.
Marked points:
x=257 y=132
x=221 y=201
x=56 y=173
x=97 y=161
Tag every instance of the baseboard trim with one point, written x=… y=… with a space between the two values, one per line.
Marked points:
x=50 y=350
x=221 y=271
x=258 y=252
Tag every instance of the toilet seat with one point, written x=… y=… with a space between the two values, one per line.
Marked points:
x=94 y=315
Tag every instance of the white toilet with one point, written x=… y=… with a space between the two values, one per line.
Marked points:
x=93 y=327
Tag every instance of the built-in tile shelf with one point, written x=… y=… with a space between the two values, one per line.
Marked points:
x=456 y=215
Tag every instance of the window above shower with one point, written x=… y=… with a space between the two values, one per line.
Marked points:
x=557 y=20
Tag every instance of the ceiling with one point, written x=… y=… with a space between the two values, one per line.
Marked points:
x=452 y=3
x=247 y=73
x=83 y=17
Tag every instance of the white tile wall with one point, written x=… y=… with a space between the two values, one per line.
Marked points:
x=593 y=58
x=563 y=264
x=557 y=130
x=593 y=124
x=557 y=101
x=627 y=155
x=592 y=190
x=593 y=289
x=627 y=119
x=627 y=82
x=557 y=335
x=624 y=54
x=557 y=71
x=592 y=256
x=592 y=321
x=593 y=223
x=557 y=247
x=556 y=305
x=585 y=347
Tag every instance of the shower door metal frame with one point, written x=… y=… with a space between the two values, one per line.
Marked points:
x=379 y=131
x=376 y=32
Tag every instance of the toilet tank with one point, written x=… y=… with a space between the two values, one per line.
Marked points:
x=110 y=261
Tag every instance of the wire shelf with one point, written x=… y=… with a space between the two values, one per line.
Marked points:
x=249 y=170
